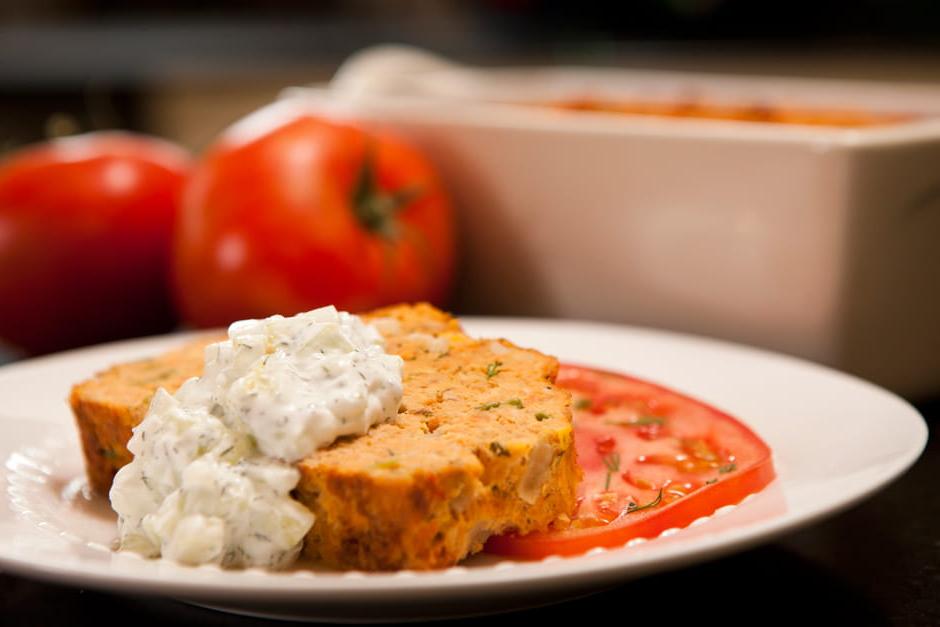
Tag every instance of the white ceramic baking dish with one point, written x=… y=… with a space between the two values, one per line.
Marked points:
x=816 y=241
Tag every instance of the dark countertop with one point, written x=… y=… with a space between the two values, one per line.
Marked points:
x=877 y=564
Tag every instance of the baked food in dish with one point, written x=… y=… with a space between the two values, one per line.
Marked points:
x=482 y=444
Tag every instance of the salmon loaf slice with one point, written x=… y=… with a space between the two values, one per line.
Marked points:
x=482 y=444
x=112 y=403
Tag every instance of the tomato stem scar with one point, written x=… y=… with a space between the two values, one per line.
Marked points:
x=374 y=206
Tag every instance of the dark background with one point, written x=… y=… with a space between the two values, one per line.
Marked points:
x=185 y=70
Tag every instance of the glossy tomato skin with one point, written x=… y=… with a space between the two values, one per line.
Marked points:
x=85 y=232
x=270 y=225
x=653 y=459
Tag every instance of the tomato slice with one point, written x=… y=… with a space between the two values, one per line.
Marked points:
x=653 y=459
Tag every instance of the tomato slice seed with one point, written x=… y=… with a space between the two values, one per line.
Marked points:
x=605 y=444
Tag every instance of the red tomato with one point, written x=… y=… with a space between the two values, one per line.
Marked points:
x=674 y=460
x=309 y=212
x=85 y=230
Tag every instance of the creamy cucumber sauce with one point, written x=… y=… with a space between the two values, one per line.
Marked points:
x=213 y=464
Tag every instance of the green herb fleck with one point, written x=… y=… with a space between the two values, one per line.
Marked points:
x=108 y=453
x=515 y=402
x=488 y=406
x=542 y=416
x=727 y=468
x=633 y=507
x=493 y=369
x=642 y=421
x=498 y=449
x=612 y=462
x=583 y=403
x=711 y=481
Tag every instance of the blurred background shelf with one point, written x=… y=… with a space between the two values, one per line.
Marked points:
x=186 y=72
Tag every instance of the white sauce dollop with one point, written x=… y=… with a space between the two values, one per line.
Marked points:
x=213 y=464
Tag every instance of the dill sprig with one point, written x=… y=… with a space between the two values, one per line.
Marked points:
x=642 y=421
x=633 y=507
x=488 y=406
x=612 y=462
x=493 y=369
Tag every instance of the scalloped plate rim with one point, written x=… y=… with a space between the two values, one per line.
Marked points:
x=598 y=344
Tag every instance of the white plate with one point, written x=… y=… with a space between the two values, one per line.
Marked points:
x=836 y=439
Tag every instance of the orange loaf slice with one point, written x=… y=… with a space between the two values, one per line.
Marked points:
x=482 y=444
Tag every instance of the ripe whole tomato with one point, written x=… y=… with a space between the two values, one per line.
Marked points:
x=290 y=211
x=85 y=230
